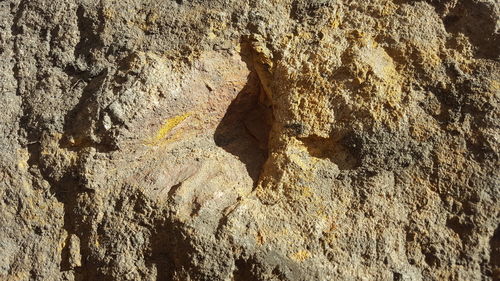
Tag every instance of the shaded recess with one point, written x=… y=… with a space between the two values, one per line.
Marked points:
x=243 y=271
x=168 y=249
x=343 y=151
x=244 y=129
x=495 y=254
x=477 y=20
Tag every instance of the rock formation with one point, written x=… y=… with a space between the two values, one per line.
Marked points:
x=249 y=140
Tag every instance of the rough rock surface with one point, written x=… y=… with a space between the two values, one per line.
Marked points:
x=249 y=140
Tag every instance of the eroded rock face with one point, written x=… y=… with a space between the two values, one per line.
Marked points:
x=260 y=140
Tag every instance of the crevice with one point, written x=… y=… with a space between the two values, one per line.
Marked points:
x=161 y=254
x=170 y=250
x=79 y=125
x=33 y=140
x=90 y=30
x=16 y=29
x=245 y=128
x=65 y=190
x=494 y=263
x=243 y=271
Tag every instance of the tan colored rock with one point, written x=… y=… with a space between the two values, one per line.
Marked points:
x=260 y=140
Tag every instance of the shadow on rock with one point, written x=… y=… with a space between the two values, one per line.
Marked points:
x=244 y=129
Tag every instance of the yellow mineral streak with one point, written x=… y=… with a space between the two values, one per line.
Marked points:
x=168 y=126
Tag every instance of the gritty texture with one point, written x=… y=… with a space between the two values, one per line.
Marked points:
x=249 y=140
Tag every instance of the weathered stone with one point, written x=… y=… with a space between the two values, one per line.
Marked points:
x=260 y=140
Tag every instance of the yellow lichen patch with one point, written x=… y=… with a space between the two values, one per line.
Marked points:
x=307 y=191
x=260 y=238
x=334 y=23
x=495 y=86
x=429 y=57
x=23 y=159
x=301 y=255
x=424 y=128
x=108 y=13
x=152 y=18
x=211 y=35
x=167 y=127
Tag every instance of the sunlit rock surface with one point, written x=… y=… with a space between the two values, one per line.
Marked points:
x=249 y=140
